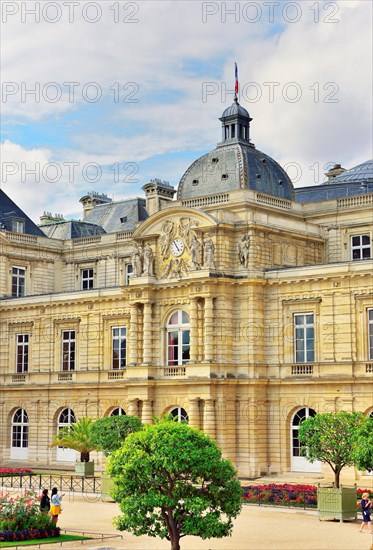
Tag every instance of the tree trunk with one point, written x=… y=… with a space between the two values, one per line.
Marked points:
x=337 y=474
x=84 y=457
x=175 y=542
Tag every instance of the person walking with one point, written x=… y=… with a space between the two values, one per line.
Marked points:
x=366 y=506
x=45 y=503
x=56 y=508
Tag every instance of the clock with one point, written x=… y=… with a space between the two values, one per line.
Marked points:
x=177 y=247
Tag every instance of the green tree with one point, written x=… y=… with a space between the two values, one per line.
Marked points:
x=109 y=432
x=171 y=481
x=363 y=447
x=329 y=437
x=77 y=436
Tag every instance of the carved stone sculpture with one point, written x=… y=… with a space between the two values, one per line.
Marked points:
x=195 y=253
x=137 y=261
x=168 y=231
x=243 y=250
x=209 y=253
x=148 y=261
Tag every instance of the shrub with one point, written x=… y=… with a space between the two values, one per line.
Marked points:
x=15 y=471
x=19 y=513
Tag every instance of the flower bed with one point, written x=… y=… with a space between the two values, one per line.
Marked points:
x=286 y=494
x=21 y=518
x=15 y=471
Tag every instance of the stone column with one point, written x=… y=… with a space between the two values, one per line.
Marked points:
x=133 y=355
x=133 y=407
x=209 y=329
x=193 y=317
x=209 y=420
x=147 y=342
x=147 y=412
x=194 y=413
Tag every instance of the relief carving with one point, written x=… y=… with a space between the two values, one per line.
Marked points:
x=243 y=250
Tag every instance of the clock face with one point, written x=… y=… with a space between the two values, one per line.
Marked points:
x=177 y=247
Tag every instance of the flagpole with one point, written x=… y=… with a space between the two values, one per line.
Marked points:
x=236 y=83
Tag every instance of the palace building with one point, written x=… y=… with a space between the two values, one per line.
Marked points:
x=234 y=302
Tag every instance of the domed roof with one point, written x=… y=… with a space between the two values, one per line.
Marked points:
x=235 y=109
x=233 y=167
x=360 y=173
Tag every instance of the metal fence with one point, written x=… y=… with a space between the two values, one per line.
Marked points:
x=73 y=483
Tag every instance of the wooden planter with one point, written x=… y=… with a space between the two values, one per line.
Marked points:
x=107 y=485
x=338 y=504
x=85 y=469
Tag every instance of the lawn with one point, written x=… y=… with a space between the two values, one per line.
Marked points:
x=61 y=538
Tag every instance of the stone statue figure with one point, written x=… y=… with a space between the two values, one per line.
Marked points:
x=165 y=240
x=137 y=261
x=148 y=268
x=243 y=250
x=195 y=253
x=209 y=253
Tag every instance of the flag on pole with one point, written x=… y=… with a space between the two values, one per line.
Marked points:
x=236 y=77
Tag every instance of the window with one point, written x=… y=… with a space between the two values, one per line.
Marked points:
x=18 y=281
x=304 y=337
x=179 y=414
x=178 y=338
x=68 y=350
x=119 y=344
x=118 y=412
x=22 y=352
x=87 y=278
x=65 y=419
x=370 y=333
x=128 y=273
x=18 y=226
x=20 y=429
x=360 y=247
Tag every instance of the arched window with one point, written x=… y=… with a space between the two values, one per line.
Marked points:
x=178 y=338
x=65 y=419
x=117 y=412
x=19 y=435
x=179 y=414
x=300 y=463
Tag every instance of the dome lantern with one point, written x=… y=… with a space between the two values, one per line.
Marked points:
x=235 y=124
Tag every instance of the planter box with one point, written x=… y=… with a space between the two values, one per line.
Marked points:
x=85 y=469
x=107 y=484
x=337 y=503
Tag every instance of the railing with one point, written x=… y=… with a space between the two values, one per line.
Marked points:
x=21 y=237
x=356 y=200
x=206 y=201
x=369 y=368
x=65 y=376
x=86 y=241
x=19 y=378
x=74 y=483
x=124 y=235
x=273 y=201
x=301 y=370
x=115 y=375
x=170 y=372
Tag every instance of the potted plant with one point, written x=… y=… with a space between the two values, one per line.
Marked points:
x=108 y=434
x=78 y=436
x=330 y=437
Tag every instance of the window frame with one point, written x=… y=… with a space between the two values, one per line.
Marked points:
x=370 y=333
x=128 y=271
x=361 y=247
x=304 y=326
x=69 y=361
x=179 y=414
x=121 y=339
x=180 y=328
x=18 y=288
x=87 y=282
x=22 y=353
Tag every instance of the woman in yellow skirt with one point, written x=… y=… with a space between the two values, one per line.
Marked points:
x=55 y=505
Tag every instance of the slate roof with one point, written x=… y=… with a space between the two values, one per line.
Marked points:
x=118 y=216
x=356 y=181
x=9 y=211
x=71 y=229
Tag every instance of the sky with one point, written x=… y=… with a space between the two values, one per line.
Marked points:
x=104 y=96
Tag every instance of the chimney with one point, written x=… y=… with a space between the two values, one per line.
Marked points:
x=335 y=171
x=157 y=194
x=92 y=199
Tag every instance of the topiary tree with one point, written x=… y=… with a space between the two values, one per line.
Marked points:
x=362 y=452
x=77 y=436
x=329 y=437
x=109 y=432
x=171 y=481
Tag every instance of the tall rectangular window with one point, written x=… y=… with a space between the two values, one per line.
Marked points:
x=22 y=353
x=129 y=271
x=18 y=281
x=18 y=226
x=87 y=278
x=68 y=350
x=119 y=346
x=360 y=247
x=370 y=333
x=304 y=337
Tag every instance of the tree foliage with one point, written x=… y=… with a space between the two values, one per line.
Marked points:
x=363 y=447
x=109 y=432
x=77 y=436
x=329 y=437
x=171 y=481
